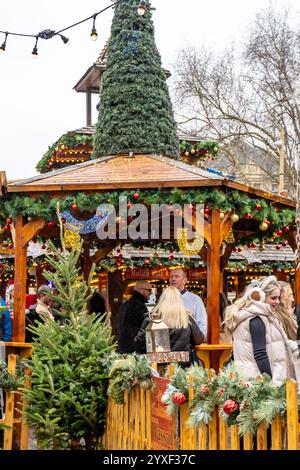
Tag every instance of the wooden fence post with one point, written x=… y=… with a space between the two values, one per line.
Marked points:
x=9 y=406
x=292 y=415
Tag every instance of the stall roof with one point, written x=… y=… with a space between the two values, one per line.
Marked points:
x=136 y=171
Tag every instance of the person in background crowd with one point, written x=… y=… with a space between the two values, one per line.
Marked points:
x=183 y=329
x=43 y=307
x=260 y=344
x=95 y=303
x=5 y=323
x=285 y=311
x=132 y=315
x=191 y=301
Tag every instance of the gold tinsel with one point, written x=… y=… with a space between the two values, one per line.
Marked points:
x=187 y=248
x=229 y=237
x=71 y=238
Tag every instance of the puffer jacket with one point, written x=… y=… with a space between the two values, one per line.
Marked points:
x=277 y=344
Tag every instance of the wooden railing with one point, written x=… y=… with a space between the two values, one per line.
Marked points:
x=129 y=427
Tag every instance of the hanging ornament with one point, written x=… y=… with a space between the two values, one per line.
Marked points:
x=9 y=221
x=257 y=207
x=50 y=224
x=187 y=248
x=129 y=205
x=286 y=229
x=234 y=218
x=136 y=195
x=178 y=398
x=230 y=406
x=248 y=216
x=229 y=237
x=264 y=226
x=222 y=215
x=147 y=262
x=74 y=206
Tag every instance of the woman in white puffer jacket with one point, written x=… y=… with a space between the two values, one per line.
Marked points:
x=260 y=344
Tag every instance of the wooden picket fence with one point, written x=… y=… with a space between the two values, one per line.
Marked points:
x=13 y=419
x=129 y=427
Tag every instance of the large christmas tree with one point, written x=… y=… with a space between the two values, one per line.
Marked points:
x=135 y=112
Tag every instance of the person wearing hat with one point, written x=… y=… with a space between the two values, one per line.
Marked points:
x=132 y=314
x=260 y=344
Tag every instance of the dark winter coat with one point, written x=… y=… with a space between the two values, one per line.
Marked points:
x=132 y=314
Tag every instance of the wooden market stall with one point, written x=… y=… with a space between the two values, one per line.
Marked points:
x=136 y=176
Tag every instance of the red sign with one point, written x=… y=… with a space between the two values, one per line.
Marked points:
x=163 y=426
x=162 y=273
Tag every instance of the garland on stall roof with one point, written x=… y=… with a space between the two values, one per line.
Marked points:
x=240 y=205
x=64 y=145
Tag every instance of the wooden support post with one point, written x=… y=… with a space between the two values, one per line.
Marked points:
x=297 y=286
x=19 y=283
x=213 y=279
x=23 y=234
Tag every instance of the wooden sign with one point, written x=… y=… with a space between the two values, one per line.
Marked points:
x=163 y=426
x=174 y=356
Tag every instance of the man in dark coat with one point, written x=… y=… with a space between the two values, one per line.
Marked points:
x=132 y=314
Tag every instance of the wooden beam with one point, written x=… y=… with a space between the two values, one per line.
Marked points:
x=3 y=183
x=213 y=278
x=23 y=234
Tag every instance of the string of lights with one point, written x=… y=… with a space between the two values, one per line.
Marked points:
x=49 y=33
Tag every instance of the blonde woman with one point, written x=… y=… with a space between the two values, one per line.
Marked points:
x=285 y=311
x=260 y=344
x=184 y=331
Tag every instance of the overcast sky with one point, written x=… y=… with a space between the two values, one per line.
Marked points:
x=37 y=100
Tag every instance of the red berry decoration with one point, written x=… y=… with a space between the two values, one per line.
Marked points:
x=51 y=224
x=63 y=221
x=257 y=207
x=147 y=261
x=277 y=247
x=239 y=249
x=286 y=229
x=230 y=406
x=6 y=227
x=283 y=244
x=10 y=246
x=74 y=206
x=9 y=221
x=136 y=195
x=204 y=388
x=220 y=392
x=248 y=216
x=129 y=205
x=207 y=210
x=279 y=232
x=178 y=398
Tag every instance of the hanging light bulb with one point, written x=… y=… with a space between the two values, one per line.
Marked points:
x=35 y=49
x=94 y=34
x=2 y=48
x=141 y=8
x=64 y=39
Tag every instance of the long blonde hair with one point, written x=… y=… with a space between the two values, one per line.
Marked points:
x=172 y=308
x=284 y=312
x=232 y=312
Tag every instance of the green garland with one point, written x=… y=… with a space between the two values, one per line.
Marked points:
x=233 y=201
x=127 y=371
x=202 y=149
x=66 y=141
x=246 y=403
